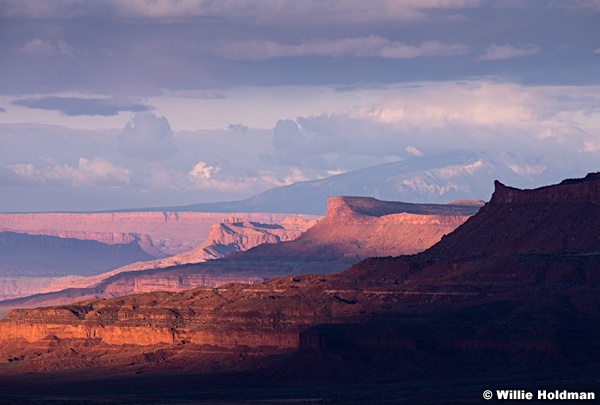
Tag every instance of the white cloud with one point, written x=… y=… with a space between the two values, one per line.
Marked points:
x=368 y=126
x=147 y=137
x=439 y=105
x=47 y=47
x=208 y=177
x=202 y=171
x=507 y=51
x=597 y=51
x=371 y=46
x=413 y=151
x=554 y=122
x=591 y=146
x=87 y=173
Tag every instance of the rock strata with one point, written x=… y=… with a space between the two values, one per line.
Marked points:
x=476 y=303
x=474 y=300
x=51 y=252
x=354 y=228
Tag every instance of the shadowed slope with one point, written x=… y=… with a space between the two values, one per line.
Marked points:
x=470 y=306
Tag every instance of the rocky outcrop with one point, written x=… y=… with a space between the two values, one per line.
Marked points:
x=449 y=309
x=558 y=219
x=51 y=252
x=359 y=227
x=354 y=228
x=170 y=232
x=234 y=234
x=568 y=191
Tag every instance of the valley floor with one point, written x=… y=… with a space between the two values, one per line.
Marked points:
x=243 y=388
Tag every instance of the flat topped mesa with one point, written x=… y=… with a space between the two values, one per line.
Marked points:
x=586 y=189
x=350 y=207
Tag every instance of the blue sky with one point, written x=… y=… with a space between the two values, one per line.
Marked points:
x=115 y=104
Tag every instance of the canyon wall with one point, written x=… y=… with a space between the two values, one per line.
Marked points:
x=449 y=305
x=51 y=252
x=354 y=228
x=171 y=232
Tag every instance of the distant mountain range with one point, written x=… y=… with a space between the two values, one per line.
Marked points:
x=420 y=179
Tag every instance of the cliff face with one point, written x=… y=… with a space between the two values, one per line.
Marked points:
x=557 y=219
x=235 y=234
x=443 y=307
x=51 y=252
x=171 y=232
x=361 y=227
x=354 y=228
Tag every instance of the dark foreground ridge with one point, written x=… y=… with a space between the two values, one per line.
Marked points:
x=509 y=299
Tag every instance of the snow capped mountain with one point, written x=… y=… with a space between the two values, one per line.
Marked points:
x=425 y=179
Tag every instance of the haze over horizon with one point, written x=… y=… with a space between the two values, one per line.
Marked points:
x=113 y=104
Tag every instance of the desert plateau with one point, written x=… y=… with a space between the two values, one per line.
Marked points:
x=283 y=202
x=511 y=291
x=353 y=228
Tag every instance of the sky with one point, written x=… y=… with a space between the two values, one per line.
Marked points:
x=108 y=104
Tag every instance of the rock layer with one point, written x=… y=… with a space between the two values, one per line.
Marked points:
x=172 y=232
x=477 y=306
x=50 y=252
x=354 y=228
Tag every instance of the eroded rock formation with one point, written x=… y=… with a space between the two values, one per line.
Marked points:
x=354 y=228
x=468 y=303
x=171 y=232
x=51 y=252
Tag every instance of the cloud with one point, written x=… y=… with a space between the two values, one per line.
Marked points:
x=499 y=52
x=371 y=46
x=413 y=151
x=349 y=11
x=12 y=175
x=147 y=137
x=73 y=106
x=211 y=177
x=202 y=171
x=597 y=51
x=56 y=9
x=2 y=109
x=591 y=146
x=199 y=94
x=88 y=173
x=556 y=123
x=47 y=47
x=333 y=142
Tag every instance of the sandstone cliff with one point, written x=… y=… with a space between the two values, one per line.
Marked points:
x=171 y=232
x=458 y=309
x=50 y=252
x=354 y=228
x=234 y=234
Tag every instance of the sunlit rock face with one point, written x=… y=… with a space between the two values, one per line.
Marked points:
x=480 y=296
x=49 y=252
x=167 y=232
x=354 y=228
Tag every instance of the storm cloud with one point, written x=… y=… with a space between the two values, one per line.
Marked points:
x=110 y=104
x=81 y=106
x=148 y=137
